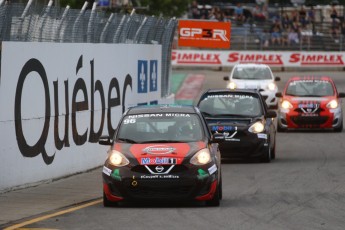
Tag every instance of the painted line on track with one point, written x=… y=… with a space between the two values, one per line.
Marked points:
x=59 y=213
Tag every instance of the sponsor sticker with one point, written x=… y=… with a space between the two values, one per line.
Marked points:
x=158 y=161
x=262 y=135
x=159 y=177
x=212 y=169
x=106 y=171
x=159 y=149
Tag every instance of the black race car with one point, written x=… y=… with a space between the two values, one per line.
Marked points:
x=243 y=118
x=162 y=153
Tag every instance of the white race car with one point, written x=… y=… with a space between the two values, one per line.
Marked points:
x=255 y=76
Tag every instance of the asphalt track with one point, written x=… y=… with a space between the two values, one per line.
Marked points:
x=304 y=188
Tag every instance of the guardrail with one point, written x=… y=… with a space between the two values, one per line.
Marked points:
x=32 y=23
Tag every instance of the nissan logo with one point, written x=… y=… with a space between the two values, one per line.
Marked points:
x=159 y=168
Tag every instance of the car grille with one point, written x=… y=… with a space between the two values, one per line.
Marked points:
x=161 y=189
x=175 y=169
x=318 y=120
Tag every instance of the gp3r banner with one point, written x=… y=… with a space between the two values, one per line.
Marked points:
x=207 y=34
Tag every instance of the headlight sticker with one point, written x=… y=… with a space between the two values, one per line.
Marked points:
x=116 y=175
x=212 y=169
x=262 y=135
x=106 y=171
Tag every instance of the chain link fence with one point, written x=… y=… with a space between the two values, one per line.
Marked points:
x=28 y=23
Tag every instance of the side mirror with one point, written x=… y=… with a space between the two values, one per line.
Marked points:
x=218 y=137
x=277 y=78
x=104 y=140
x=341 y=94
x=226 y=78
x=271 y=114
x=279 y=94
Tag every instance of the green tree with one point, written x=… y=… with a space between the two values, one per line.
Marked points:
x=166 y=8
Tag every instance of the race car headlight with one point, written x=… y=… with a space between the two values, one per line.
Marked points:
x=271 y=86
x=202 y=157
x=117 y=159
x=232 y=85
x=286 y=105
x=332 y=104
x=257 y=127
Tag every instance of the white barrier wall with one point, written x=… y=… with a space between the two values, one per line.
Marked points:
x=229 y=58
x=57 y=99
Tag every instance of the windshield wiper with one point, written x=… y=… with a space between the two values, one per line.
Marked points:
x=161 y=141
x=207 y=114
x=232 y=115
x=127 y=140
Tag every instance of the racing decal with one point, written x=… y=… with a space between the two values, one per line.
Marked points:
x=159 y=169
x=223 y=128
x=116 y=175
x=230 y=96
x=309 y=108
x=212 y=169
x=159 y=177
x=173 y=153
x=229 y=137
x=163 y=115
x=262 y=135
x=159 y=149
x=158 y=161
x=202 y=174
x=106 y=171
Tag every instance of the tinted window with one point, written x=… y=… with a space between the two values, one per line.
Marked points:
x=163 y=127
x=252 y=73
x=231 y=104
x=311 y=88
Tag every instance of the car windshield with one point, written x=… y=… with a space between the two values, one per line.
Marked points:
x=310 y=88
x=235 y=105
x=160 y=128
x=252 y=73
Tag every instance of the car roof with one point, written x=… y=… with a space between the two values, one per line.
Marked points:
x=244 y=65
x=298 y=78
x=226 y=90
x=162 y=108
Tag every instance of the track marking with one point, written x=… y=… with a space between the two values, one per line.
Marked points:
x=18 y=226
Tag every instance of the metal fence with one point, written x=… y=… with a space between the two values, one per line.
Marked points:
x=29 y=23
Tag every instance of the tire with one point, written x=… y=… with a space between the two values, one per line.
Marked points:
x=280 y=129
x=266 y=158
x=340 y=128
x=273 y=153
x=215 y=202
x=108 y=203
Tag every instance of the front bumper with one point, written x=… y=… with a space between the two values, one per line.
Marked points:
x=330 y=119
x=182 y=183
x=245 y=145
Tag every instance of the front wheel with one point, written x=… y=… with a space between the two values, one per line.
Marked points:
x=215 y=201
x=340 y=128
x=108 y=203
x=266 y=158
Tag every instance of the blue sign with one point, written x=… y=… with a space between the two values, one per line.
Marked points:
x=153 y=75
x=103 y=2
x=142 y=76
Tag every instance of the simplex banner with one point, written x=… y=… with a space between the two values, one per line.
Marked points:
x=229 y=58
x=57 y=99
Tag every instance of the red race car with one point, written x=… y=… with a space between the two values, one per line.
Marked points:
x=310 y=103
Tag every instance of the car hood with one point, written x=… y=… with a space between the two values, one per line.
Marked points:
x=159 y=153
x=311 y=102
x=221 y=125
x=252 y=84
